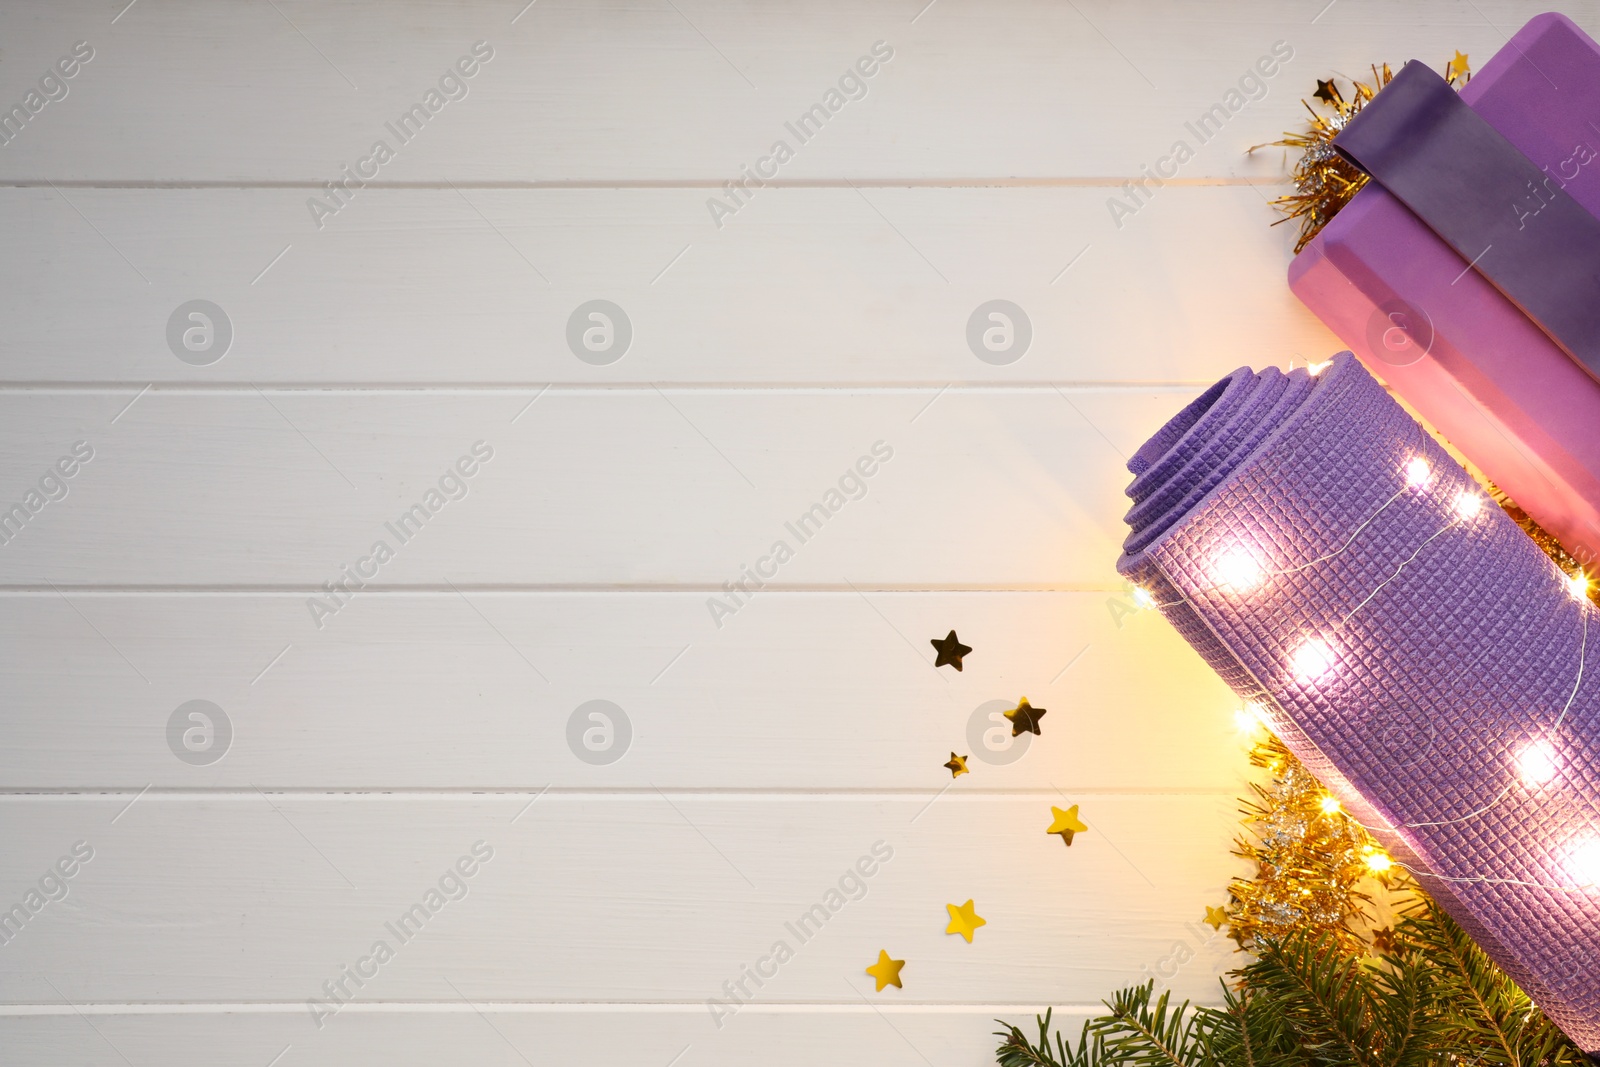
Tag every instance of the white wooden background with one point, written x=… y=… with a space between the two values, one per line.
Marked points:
x=768 y=354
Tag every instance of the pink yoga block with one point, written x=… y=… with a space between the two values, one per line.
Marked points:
x=1442 y=337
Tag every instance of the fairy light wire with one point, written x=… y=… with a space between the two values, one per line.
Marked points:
x=1577 y=685
x=1486 y=880
x=1297 y=568
x=1403 y=565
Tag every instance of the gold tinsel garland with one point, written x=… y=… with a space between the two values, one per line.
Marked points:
x=1313 y=864
x=1324 y=181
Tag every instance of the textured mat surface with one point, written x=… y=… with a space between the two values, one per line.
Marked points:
x=1409 y=643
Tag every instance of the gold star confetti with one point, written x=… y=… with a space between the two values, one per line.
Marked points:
x=964 y=919
x=1328 y=92
x=950 y=651
x=1024 y=718
x=1215 y=917
x=957 y=765
x=886 y=971
x=1066 y=823
x=1457 y=66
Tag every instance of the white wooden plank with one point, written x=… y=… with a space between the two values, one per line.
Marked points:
x=609 y=898
x=823 y=691
x=986 y=489
x=946 y=1037
x=576 y=91
x=768 y=752
x=804 y=285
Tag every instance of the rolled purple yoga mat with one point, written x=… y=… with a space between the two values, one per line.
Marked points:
x=1406 y=640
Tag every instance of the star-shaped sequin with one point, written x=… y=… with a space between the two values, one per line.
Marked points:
x=964 y=919
x=957 y=765
x=1024 y=718
x=886 y=971
x=1066 y=823
x=950 y=651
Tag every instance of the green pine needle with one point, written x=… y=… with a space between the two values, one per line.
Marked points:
x=1435 y=1000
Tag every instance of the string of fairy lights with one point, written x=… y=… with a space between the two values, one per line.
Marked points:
x=1238 y=570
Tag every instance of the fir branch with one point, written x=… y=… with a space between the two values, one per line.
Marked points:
x=1483 y=1015
x=1327 y=998
x=1249 y=1031
x=1138 y=1035
x=1132 y=1033
x=1017 y=1051
x=1405 y=1012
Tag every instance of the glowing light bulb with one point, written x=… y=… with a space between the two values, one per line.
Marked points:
x=1238 y=570
x=1311 y=660
x=1418 y=472
x=1468 y=504
x=1578 y=586
x=1142 y=597
x=1329 y=805
x=1250 y=718
x=1583 y=861
x=1378 y=862
x=1537 y=763
x=1315 y=369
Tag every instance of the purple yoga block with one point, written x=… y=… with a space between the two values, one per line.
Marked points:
x=1442 y=337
